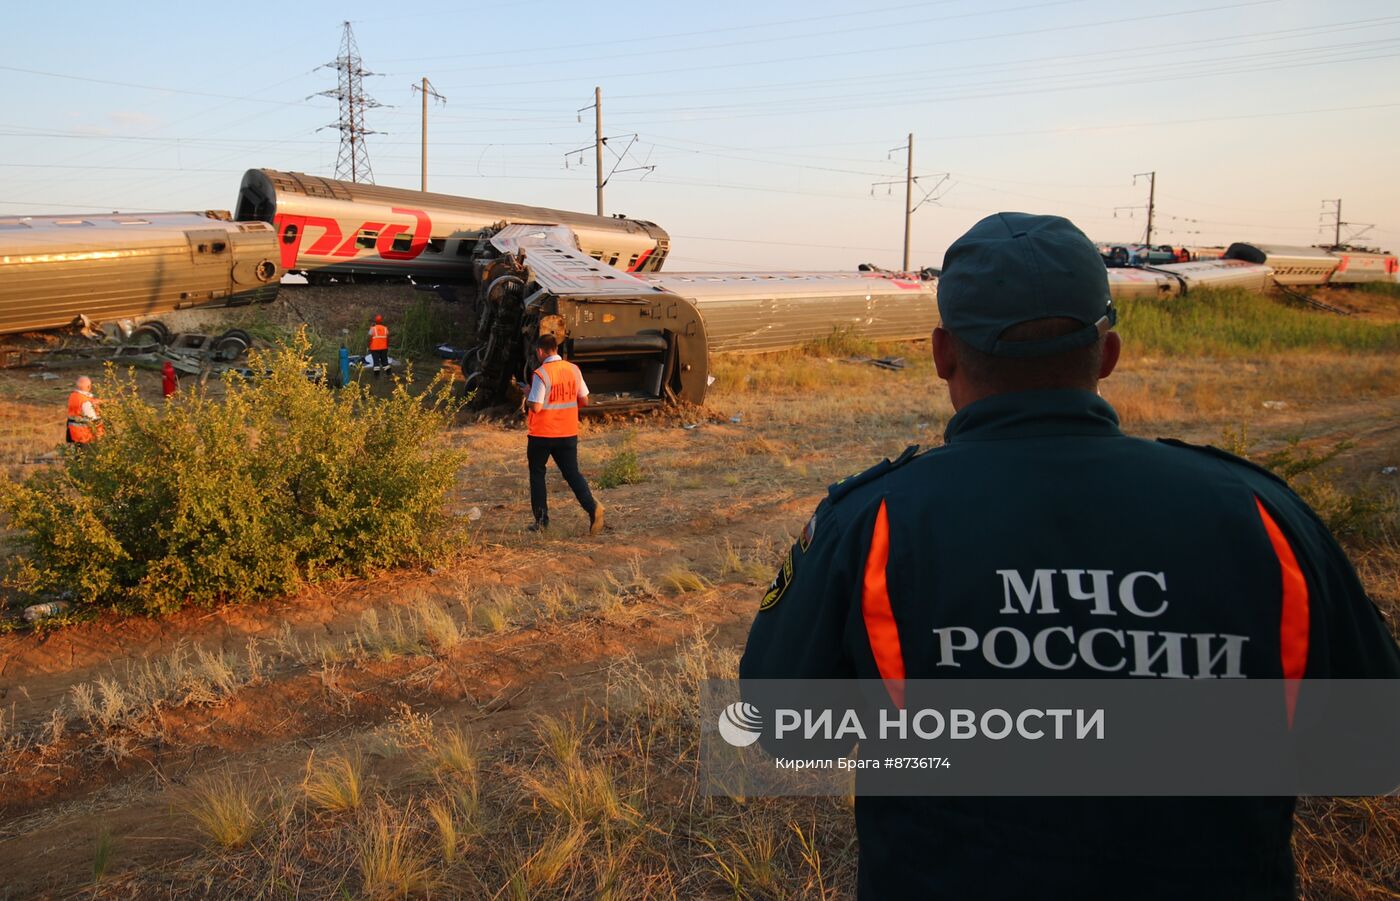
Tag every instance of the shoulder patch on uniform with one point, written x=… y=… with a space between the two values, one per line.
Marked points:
x=779 y=585
x=1223 y=455
x=850 y=483
x=809 y=532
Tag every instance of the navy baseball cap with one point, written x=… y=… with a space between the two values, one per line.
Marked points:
x=1012 y=268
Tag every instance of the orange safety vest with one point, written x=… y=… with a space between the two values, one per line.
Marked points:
x=558 y=417
x=379 y=337
x=81 y=429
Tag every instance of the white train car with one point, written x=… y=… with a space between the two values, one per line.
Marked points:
x=1173 y=279
x=1293 y=266
x=54 y=269
x=1355 y=268
x=750 y=312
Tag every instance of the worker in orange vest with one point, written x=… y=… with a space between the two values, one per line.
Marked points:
x=557 y=390
x=84 y=422
x=379 y=345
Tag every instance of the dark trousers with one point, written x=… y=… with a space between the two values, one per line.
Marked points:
x=381 y=359
x=565 y=454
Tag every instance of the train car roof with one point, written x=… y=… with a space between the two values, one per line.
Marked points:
x=715 y=285
x=331 y=189
x=1242 y=250
x=83 y=221
x=31 y=233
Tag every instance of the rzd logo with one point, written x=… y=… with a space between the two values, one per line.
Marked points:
x=291 y=231
x=740 y=724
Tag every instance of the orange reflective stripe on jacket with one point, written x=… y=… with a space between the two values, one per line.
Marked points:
x=1294 y=619
x=558 y=416
x=877 y=612
x=379 y=337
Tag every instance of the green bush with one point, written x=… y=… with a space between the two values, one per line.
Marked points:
x=201 y=501
x=424 y=325
x=621 y=468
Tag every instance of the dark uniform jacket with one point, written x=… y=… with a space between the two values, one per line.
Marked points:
x=1039 y=514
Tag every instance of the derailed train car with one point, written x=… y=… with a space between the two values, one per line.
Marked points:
x=1174 y=279
x=643 y=341
x=750 y=312
x=1312 y=266
x=55 y=269
x=345 y=230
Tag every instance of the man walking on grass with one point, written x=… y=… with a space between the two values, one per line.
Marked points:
x=557 y=390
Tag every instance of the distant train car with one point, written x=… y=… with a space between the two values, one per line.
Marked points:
x=1293 y=266
x=54 y=269
x=748 y=312
x=327 y=228
x=1354 y=268
x=1182 y=278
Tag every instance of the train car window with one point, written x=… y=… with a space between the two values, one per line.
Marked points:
x=613 y=261
x=366 y=238
x=632 y=262
x=289 y=234
x=72 y=222
x=437 y=245
x=465 y=248
x=403 y=243
x=219 y=247
x=597 y=255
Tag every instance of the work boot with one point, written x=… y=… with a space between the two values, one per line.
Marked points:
x=595 y=520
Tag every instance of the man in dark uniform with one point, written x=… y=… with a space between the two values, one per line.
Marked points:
x=1041 y=542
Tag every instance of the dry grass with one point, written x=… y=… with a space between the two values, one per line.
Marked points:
x=226 y=810
x=1348 y=847
x=390 y=863
x=682 y=579
x=335 y=784
x=605 y=801
x=753 y=564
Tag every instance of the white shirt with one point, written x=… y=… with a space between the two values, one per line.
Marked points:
x=539 y=394
x=89 y=411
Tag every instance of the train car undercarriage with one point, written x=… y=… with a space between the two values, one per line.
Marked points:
x=637 y=345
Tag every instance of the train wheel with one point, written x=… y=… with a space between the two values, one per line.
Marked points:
x=150 y=334
x=231 y=345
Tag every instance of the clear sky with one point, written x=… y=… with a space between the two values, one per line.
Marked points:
x=768 y=123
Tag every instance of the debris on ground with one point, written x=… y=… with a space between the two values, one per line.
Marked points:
x=1275 y=404
x=1389 y=470
x=891 y=363
x=36 y=612
x=46 y=376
